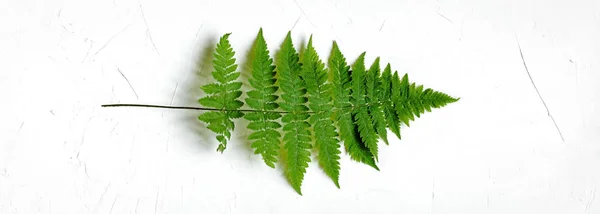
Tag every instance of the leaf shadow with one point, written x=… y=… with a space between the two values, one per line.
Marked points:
x=241 y=132
x=199 y=74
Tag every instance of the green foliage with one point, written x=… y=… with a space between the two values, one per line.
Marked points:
x=341 y=80
x=265 y=137
x=392 y=120
x=375 y=107
x=222 y=95
x=319 y=107
x=320 y=99
x=361 y=106
x=297 y=135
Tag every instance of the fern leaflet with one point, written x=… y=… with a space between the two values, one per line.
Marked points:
x=375 y=108
x=297 y=136
x=360 y=108
x=392 y=120
x=320 y=99
x=222 y=95
x=341 y=82
x=265 y=137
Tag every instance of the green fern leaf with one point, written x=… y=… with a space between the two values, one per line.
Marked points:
x=421 y=101
x=265 y=137
x=400 y=99
x=375 y=108
x=320 y=99
x=341 y=82
x=222 y=95
x=361 y=114
x=296 y=127
x=392 y=120
x=300 y=100
x=412 y=100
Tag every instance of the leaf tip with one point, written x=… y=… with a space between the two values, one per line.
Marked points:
x=260 y=32
x=375 y=167
x=298 y=190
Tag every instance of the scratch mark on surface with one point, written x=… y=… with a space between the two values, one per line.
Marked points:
x=21 y=126
x=181 y=198
x=488 y=202
x=297 y=20
x=201 y=68
x=148 y=30
x=576 y=71
x=131 y=149
x=88 y=51
x=5 y=173
x=156 y=202
x=83 y=138
x=102 y=196
x=200 y=28
x=446 y=18
x=432 y=196
x=113 y=93
x=130 y=86
x=174 y=92
x=137 y=205
x=110 y=40
x=59 y=12
x=85 y=171
x=65 y=28
x=234 y=199
x=114 y=127
x=382 y=24
x=168 y=141
x=113 y=204
x=537 y=91
x=590 y=202
x=302 y=10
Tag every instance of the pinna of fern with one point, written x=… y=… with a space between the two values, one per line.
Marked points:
x=223 y=94
x=298 y=104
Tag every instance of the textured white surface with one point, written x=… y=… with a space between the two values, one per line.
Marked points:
x=495 y=151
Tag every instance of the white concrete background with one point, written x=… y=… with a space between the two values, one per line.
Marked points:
x=495 y=151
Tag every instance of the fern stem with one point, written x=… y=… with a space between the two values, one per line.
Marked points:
x=188 y=108
x=211 y=109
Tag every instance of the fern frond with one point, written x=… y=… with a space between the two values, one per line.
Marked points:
x=392 y=120
x=423 y=100
x=341 y=82
x=400 y=99
x=320 y=103
x=264 y=137
x=222 y=95
x=361 y=114
x=412 y=100
x=299 y=100
x=375 y=108
x=297 y=136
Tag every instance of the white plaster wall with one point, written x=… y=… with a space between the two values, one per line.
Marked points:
x=497 y=150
